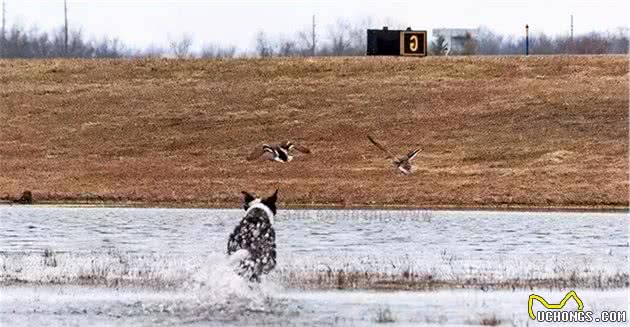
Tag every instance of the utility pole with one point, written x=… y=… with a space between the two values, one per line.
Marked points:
x=571 y=27
x=313 y=35
x=65 y=28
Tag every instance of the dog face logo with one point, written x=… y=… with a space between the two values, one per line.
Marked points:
x=570 y=295
x=254 y=237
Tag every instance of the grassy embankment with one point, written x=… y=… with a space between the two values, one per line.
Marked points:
x=535 y=132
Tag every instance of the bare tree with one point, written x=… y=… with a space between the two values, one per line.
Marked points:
x=65 y=26
x=488 y=42
x=304 y=42
x=470 y=46
x=288 y=48
x=58 y=42
x=358 y=35
x=620 y=40
x=107 y=48
x=3 y=31
x=181 y=47
x=77 y=46
x=264 y=47
x=541 y=44
x=227 y=52
x=339 y=38
x=152 y=51
x=214 y=51
x=42 y=46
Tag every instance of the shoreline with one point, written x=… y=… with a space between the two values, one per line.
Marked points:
x=321 y=206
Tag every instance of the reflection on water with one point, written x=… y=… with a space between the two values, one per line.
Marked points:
x=314 y=232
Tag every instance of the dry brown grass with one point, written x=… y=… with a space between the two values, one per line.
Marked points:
x=354 y=279
x=495 y=131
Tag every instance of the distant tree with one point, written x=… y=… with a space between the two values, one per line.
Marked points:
x=470 y=46
x=107 y=48
x=438 y=46
x=541 y=44
x=59 y=42
x=42 y=47
x=78 y=47
x=488 y=42
x=181 y=47
x=3 y=29
x=152 y=51
x=307 y=40
x=288 y=48
x=358 y=38
x=213 y=51
x=339 y=38
x=620 y=41
x=593 y=43
x=304 y=42
x=264 y=47
x=227 y=52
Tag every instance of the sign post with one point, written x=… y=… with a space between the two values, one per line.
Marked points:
x=527 y=40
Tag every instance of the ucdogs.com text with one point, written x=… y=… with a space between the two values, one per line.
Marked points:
x=580 y=316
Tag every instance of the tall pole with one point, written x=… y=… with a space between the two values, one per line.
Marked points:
x=527 y=40
x=313 y=36
x=571 y=27
x=65 y=28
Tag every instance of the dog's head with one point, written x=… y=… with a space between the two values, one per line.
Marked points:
x=270 y=202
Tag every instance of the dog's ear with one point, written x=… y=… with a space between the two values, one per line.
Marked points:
x=247 y=199
x=274 y=197
x=270 y=202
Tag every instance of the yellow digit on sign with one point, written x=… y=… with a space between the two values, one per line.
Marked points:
x=413 y=43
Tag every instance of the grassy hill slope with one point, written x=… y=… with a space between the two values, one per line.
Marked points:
x=494 y=131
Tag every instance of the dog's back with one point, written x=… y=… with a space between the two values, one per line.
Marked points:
x=256 y=235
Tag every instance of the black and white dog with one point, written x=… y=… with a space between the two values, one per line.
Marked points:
x=254 y=239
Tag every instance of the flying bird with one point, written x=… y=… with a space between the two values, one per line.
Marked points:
x=276 y=152
x=402 y=163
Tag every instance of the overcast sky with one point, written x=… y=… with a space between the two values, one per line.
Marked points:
x=140 y=23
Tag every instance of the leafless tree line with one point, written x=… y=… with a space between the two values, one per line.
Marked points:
x=346 y=39
x=487 y=42
x=20 y=43
x=343 y=38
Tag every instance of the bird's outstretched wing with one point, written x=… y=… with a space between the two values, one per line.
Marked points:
x=412 y=154
x=380 y=146
x=301 y=148
x=289 y=144
x=260 y=153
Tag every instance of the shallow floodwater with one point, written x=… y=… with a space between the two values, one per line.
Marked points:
x=104 y=266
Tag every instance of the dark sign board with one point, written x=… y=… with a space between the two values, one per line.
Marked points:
x=413 y=43
x=396 y=43
x=383 y=43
